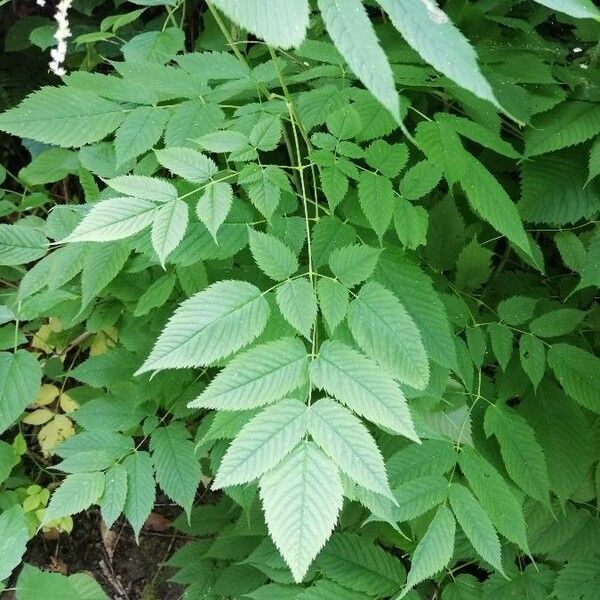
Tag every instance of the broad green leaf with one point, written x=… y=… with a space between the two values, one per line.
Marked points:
x=495 y=496
x=556 y=322
x=355 y=563
x=568 y=124
x=333 y=301
x=63 y=116
x=223 y=141
x=272 y=256
x=141 y=489
x=177 y=468
x=301 y=498
x=417 y=496
x=20 y=378
x=431 y=457
x=578 y=579
x=298 y=304
x=578 y=372
x=112 y=502
x=262 y=443
x=209 y=326
x=580 y=9
x=265 y=135
x=14 y=535
x=20 y=244
x=522 y=455
x=77 y=492
x=476 y=524
x=353 y=264
x=473 y=266
x=256 y=377
x=590 y=271
x=387 y=333
x=352 y=33
x=349 y=444
x=390 y=159
x=187 y=163
x=168 y=228
x=157 y=47
x=431 y=33
x=533 y=357
x=141 y=186
x=434 y=550
x=139 y=132
x=360 y=384
x=501 y=338
x=214 y=206
x=280 y=23
x=419 y=180
x=376 y=198
x=114 y=219
x=344 y=123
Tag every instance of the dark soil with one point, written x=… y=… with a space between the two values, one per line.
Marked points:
x=126 y=570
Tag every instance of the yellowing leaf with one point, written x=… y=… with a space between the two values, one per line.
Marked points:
x=104 y=341
x=48 y=393
x=67 y=404
x=38 y=417
x=41 y=337
x=53 y=433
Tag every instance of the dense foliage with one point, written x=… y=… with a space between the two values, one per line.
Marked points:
x=325 y=273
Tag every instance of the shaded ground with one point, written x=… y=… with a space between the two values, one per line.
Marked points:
x=125 y=570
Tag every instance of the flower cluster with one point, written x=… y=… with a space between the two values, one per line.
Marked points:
x=61 y=35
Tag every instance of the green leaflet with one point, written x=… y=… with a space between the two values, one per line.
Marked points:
x=376 y=198
x=20 y=245
x=346 y=23
x=187 y=163
x=362 y=386
x=301 y=522
x=298 y=304
x=348 y=442
x=63 y=116
x=522 y=455
x=581 y=9
x=262 y=443
x=258 y=376
x=112 y=502
x=333 y=301
x=141 y=489
x=214 y=206
x=14 y=536
x=168 y=228
x=353 y=264
x=431 y=33
x=387 y=333
x=272 y=256
x=210 y=325
x=375 y=573
x=476 y=524
x=77 y=492
x=279 y=22
x=20 y=378
x=434 y=550
x=139 y=132
x=177 y=468
x=576 y=370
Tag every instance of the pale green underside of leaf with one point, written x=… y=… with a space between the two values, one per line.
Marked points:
x=580 y=9
x=387 y=333
x=115 y=493
x=168 y=228
x=14 y=535
x=280 y=23
x=431 y=33
x=301 y=498
x=187 y=163
x=363 y=386
x=114 y=219
x=263 y=443
x=141 y=186
x=211 y=325
x=333 y=301
x=272 y=256
x=257 y=377
x=139 y=132
x=352 y=32
x=349 y=444
x=214 y=205
x=20 y=244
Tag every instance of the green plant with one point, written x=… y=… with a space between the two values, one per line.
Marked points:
x=369 y=335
